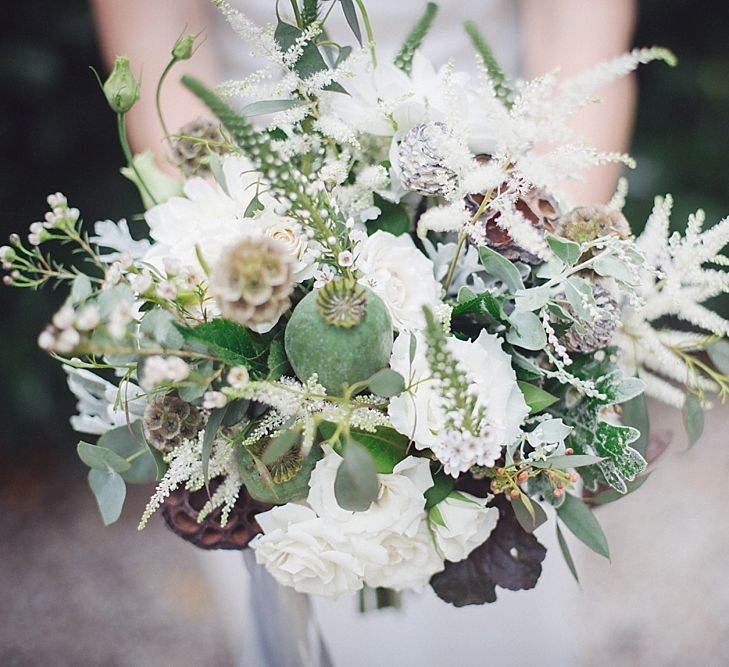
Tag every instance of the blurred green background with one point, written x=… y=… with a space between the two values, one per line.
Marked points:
x=57 y=134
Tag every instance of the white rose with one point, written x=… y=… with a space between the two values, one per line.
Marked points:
x=460 y=523
x=411 y=562
x=311 y=554
x=419 y=414
x=400 y=505
x=402 y=276
x=289 y=232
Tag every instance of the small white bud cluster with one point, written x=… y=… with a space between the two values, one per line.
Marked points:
x=61 y=217
x=62 y=335
x=158 y=370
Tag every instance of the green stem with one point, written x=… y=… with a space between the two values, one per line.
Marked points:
x=297 y=14
x=158 y=95
x=368 y=30
x=462 y=239
x=128 y=155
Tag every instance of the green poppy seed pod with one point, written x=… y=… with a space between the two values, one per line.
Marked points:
x=182 y=50
x=121 y=88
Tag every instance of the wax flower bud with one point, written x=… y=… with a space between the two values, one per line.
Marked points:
x=182 y=50
x=121 y=88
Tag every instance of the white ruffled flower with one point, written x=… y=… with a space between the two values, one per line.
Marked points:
x=211 y=219
x=310 y=554
x=394 y=269
x=411 y=561
x=399 y=507
x=460 y=523
x=419 y=413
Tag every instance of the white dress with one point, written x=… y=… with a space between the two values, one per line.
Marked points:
x=426 y=631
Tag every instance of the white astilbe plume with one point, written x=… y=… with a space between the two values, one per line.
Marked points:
x=617 y=201
x=259 y=39
x=186 y=469
x=684 y=279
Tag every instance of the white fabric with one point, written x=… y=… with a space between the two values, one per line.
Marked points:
x=391 y=21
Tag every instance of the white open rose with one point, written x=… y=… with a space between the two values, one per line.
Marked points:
x=460 y=523
x=419 y=413
x=313 y=555
x=411 y=561
x=402 y=276
x=400 y=505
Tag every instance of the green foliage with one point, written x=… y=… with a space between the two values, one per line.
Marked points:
x=350 y=15
x=145 y=463
x=568 y=251
x=309 y=12
x=693 y=418
x=392 y=218
x=486 y=303
x=635 y=414
x=566 y=554
x=386 y=445
x=529 y=513
x=110 y=491
x=100 y=458
x=442 y=486
x=718 y=352
x=611 y=495
x=386 y=383
x=404 y=57
x=497 y=75
x=537 y=399
x=232 y=344
x=262 y=107
x=621 y=462
x=159 y=326
x=526 y=331
x=214 y=422
x=356 y=486
x=277 y=362
x=259 y=484
x=499 y=267
x=583 y=524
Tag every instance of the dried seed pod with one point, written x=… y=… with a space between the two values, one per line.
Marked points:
x=597 y=334
x=168 y=420
x=588 y=223
x=197 y=140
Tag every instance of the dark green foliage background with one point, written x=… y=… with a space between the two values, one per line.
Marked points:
x=57 y=134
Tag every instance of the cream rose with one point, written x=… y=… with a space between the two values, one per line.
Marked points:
x=460 y=523
x=400 y=505
x=402 y=276
x=312 y=555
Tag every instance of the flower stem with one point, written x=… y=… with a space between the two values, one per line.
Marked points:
x=462 y=239
x=369 y=31
x=157 y=98
x=121 y=127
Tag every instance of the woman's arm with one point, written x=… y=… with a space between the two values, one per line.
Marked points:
x=574 y=35
x=146 y=30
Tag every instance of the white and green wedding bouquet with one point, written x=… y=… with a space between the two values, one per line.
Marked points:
x=365 y=335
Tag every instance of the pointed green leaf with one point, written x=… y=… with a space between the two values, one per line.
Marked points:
x=531 y=299
x=635 y=414
x=693 y=419
x=110 y=491
x=263 y=107
x=529 y=513
x=536 y=398
x=611 y=495
x=356 y=486
x=566 y=554
x=442 y=486
x=211 y=430
x=393 y=218
x=350 y=14
x=583 y=524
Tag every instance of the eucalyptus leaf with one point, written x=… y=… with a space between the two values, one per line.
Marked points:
x=527 y=331
x=718 y=352
x=128 y=442
x=110 y=491
x=386 y=383
x=568 y=251
x=160 y=325
x=693 y=419
x=498 y=266
x=583 y=524
x=101 y=458
x=356 y=486
x=580 y=296
x=263 y=107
